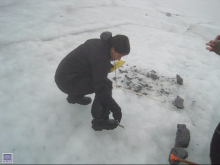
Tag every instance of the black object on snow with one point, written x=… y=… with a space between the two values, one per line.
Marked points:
x=178 y=102
x=179 y=80
x=178 y=152
x=182 y=136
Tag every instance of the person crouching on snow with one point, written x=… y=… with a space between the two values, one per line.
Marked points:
x=84 y=71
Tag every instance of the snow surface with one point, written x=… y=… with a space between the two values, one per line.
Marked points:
x=39 y=126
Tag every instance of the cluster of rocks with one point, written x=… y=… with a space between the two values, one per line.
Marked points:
x=148 y=83
x=181 y=142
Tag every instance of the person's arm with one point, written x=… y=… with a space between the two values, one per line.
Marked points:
x=100 y=71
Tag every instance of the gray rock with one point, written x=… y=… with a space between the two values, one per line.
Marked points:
x=148 y=74
x=178 y=152
x=165 y=92
x=128 y=83
x=168 y=14
x=123 y=70
x=137 y=88
x=178 y=102
x=154 y=76
x=127 y=77
x=182 y=136
x=144 y=85
x=179 y=80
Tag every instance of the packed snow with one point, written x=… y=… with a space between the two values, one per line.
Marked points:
x=167 y=37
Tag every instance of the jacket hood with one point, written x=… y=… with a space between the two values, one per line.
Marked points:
x=106 y=36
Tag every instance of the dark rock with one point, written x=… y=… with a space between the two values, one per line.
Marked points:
x=137 y=88
x=182 y=136
x=168 y=14
x=123 y=71
x=165 y=92
x=144 y=85
x=154 y=76
x=128 y=83
x=153 y=71
x=178 y=102
x=127 y=77
x=179 y=80
x=178 y=152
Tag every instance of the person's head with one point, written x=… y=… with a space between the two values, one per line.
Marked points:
x=120 y=47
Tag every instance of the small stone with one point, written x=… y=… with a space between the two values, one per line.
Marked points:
x=137 y=88
x=144 y=85
x=128 y=83
x=178 y=102
x=123 y=70
x=179 y=80
x=129 y=78
x=153 y=71
x=168 y=14
x=154 y=76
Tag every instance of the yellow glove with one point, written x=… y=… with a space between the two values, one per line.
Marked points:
x=117 y=65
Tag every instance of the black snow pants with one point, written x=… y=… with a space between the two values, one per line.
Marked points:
x=82 y=86
x=215 y=146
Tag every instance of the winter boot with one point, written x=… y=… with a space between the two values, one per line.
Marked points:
x=82 y=100
x=100 y=124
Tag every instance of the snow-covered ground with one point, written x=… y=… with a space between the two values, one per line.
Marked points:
x=39 y=126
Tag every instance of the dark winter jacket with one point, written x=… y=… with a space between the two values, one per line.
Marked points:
x=215 y=146
x=90 y=59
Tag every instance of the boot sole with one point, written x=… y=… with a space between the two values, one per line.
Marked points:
x=75 y=102
x=100 y=128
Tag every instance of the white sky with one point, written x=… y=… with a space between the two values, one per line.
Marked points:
x=39 y=126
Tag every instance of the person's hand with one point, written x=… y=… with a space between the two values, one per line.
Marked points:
x=117 y=116
x=212 y=43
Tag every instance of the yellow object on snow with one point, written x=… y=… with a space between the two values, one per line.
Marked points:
x=117 y=65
